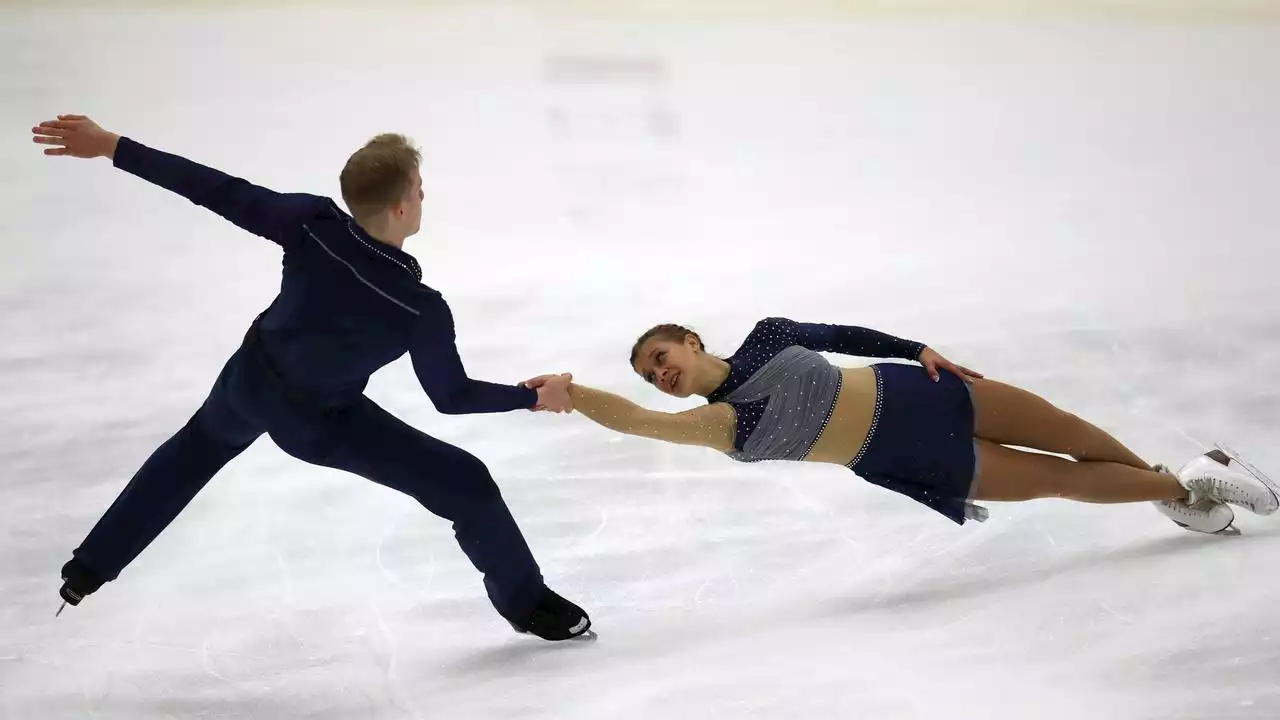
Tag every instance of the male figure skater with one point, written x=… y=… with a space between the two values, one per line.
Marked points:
x=351 y=301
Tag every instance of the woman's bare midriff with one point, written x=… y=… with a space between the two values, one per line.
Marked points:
x=850 y=420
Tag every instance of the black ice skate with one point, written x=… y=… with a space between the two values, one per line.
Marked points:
x=77 y=583
x=556 y=619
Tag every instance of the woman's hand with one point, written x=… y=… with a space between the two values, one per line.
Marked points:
x=932 y=362
x=553 y=392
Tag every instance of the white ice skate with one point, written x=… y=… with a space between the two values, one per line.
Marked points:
x=1198 y=513
x=1205 y=516
x=1242 y=465
x=1221 y=475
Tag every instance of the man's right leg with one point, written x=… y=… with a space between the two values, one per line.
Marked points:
x=164 y=485
x=455 y=485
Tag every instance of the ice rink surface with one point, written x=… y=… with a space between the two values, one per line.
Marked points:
x=1086 y=210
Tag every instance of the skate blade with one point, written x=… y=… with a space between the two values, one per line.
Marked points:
x=1229 y=531
x=1235 y=457
x=587 y=635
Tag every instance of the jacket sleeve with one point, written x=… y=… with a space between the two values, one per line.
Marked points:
x=440 y=370
x=266 y=213
x=843 y=339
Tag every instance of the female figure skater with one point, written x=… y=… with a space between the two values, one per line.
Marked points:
x=937 y=434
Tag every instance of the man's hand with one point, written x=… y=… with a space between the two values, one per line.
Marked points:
x=538 y=382
x=75 y=135
x=553 y=393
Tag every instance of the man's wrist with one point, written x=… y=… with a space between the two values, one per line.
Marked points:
x=113 y=143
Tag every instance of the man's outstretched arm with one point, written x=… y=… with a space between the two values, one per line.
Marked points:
x=261 y=211
x=444 y=378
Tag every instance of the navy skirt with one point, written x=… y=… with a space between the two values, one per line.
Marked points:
x=921 y=441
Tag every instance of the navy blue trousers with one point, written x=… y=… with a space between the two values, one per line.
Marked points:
x=361 y=438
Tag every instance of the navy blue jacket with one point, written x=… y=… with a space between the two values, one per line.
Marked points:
x=348 y=304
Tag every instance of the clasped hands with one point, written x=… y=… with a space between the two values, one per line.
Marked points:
x=553 y=392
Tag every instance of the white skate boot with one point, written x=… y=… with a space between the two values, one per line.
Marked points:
x=1223 y=477
x=1198 y=513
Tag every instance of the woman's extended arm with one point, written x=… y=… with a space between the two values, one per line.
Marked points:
x=709 y=426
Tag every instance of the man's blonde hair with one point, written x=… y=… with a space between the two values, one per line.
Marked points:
x=378 y=175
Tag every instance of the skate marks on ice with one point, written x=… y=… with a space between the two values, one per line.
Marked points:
x=523 y=654
x=700 y=645
x=748 y=660
x=970 y=578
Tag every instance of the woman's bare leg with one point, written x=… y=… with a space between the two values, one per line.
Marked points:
x=1011 y=475
x=1009 y=415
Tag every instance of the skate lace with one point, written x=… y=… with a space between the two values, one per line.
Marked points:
x=1186 y=509
x=1224 y=490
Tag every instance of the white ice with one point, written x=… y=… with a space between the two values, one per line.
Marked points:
x=1085 y=210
